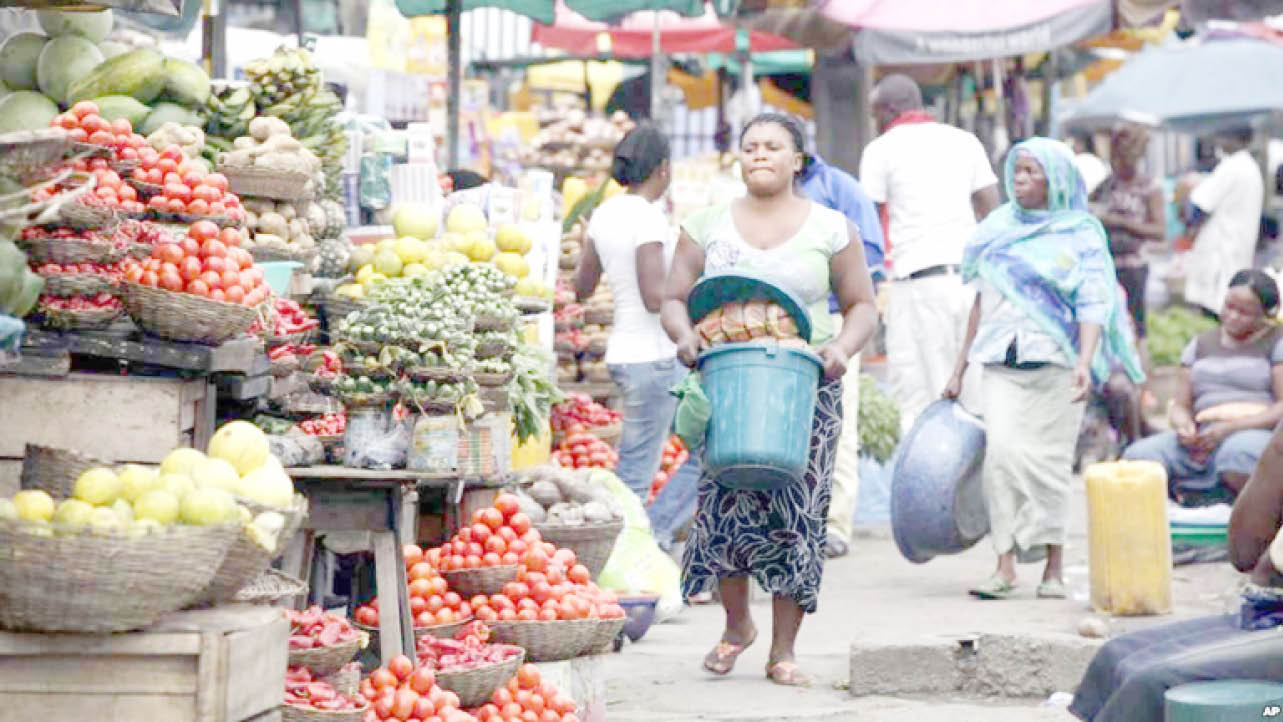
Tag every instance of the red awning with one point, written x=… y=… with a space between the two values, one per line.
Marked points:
x=631 y=38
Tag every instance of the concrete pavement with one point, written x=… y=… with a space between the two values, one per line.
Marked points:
x=877 y=611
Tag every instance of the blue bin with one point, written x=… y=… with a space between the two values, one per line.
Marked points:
x=1223 y=700
x=278 y=274
x=763 y=405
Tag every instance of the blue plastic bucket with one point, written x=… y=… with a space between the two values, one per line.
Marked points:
x=763 y=405
x=278 y=274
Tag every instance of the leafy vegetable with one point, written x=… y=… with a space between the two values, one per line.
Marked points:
x=1171 y=329
x=878 y=420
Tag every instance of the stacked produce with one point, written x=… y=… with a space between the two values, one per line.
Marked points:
x=177 y=187
x=582 y=333
x=532 y=393
x=303 y=691
x=188 y=488
x=71 y=62
x=675 y=456
x=566 y=496
x=207 y=263
x=431 y=601
x=583 y=450
x=469 y=649
x=527 y=696
x=580 y=413
x=314 y=628
x=402 y=691
x=576 y=142
x=1171 y=329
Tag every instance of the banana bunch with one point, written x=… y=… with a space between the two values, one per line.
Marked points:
x=283 y=82
x=231 y=108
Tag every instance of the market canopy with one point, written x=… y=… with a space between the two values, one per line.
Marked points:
x=545 y=11
x=632 y=37
x=928 y=31
x=1195 y=87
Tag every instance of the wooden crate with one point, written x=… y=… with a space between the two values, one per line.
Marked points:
x=116 y=418
x=216 y=665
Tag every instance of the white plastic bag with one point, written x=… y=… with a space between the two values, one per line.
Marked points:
x=374 y=439
x=637 y=564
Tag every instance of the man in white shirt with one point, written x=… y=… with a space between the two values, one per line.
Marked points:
x=935 y=182
x=1228 y=222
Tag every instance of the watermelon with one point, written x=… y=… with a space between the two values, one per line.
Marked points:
x=18 y=58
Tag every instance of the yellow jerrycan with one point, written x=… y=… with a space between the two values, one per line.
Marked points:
x=1129 y=541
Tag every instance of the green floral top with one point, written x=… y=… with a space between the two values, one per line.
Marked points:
x=800 y=264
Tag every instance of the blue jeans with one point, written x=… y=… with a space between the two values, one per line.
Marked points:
x=1237 y=454
x=648 y=420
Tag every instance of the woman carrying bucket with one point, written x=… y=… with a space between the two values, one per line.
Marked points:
x=1047 y=301
x=777 y=537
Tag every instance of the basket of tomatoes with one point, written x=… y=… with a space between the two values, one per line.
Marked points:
x=178 y=191
x=202 y=289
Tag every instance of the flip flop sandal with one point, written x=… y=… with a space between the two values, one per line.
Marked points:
x=835 y=547
x=994 y=588
x=787 y=674
x=1053 y=589
x=721 y=660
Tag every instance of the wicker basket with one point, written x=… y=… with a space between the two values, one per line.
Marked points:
x=353 y=401
x=300 y=338
x=532 y=306
x=492 y=380
x=79 y=216
x=336 y=307
x=281 y=368
x=493 y=323
x=278 y=185
x=486 y=580
x=325 y=660
x=599 y=316
x=437 y=373
x=347 y=680
x=64 y=319
x=33 y=154
x=495 y=349
x=88 y=582
x=78 y=284
x=145 y=190
x=609 y=434
x=374 y=372
x=547 y=641
x=70 y=250
x=270 y=587
x=246 y=560
x=603 y=637
x=476 y=686
x=181 y=316
x=290 y=713
x=591 y=543
x=55 y=470
x=440 y=631
x=190 y=218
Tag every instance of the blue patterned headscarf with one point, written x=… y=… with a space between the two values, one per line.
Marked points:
x=1054 y=263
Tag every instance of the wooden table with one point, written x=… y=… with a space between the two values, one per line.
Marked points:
x=380 y=502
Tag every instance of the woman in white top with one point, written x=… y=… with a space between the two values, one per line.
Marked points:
x=629 y=239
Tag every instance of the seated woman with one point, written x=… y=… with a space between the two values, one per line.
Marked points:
x=1126 y=680
x=1230 y=396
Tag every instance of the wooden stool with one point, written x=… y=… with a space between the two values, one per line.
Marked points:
x=1225 y=700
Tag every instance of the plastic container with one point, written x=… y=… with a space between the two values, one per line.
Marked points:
x=716 y=289
x=763 y=401
x=1129 y=542
x=640 y=609
x=937 y=499
x=1224 y=700
x=279 y=274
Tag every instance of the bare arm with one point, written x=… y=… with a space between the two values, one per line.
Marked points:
x=1182 y=412
x=688 y=265
x=589 y=273
x=1256 y=516
x=985 y=200
x=650 y=275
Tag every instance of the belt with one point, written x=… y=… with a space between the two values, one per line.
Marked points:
x=943 y=270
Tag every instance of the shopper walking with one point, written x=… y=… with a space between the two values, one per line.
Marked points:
x=1227 y=220
x=773 y=537
x=629 y=239
x=935 y=182
x=1047 y=300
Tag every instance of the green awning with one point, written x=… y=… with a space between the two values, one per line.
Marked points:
x=771 y=62
x=542 y=11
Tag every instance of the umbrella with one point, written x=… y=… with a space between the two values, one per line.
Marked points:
x=633 y=36
x=1195 y=87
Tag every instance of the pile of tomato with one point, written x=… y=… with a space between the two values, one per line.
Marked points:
x=431 y=601
x=498 y=536
x=183 y=186
x=84 y=125
x=675 y=457
x=207 y=263
x=98 y=302
x=527 y=697
x=582 y=450
x=403 y=691
x=327 y=425
x=579 y=412
x=304 y=691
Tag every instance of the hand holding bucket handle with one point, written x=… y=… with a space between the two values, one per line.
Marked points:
x=835 y=360
x=690 y=347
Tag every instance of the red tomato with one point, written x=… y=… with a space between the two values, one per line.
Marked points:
x=519 y=522
x=127 y=193
x=193 y=178
x=507 y=505
x=190 y=246
x=199 y=288
x=198 y=207
x=84 y=108
x=206 y=192
x=171 y=281
x=189 y=268
x=235 y=294
x=213 y=280
x=169 y=253
x=213 y=248
x=166 y=165
x=173 y=152
x=92 y=122
x=217 y=180
x=176 y=205
x=401 y=666
x=66 y=121
x=128 y=154
x=155 y=177
x=77 y=135
x=101 y=137
x=122 y=126
x=150 y=278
